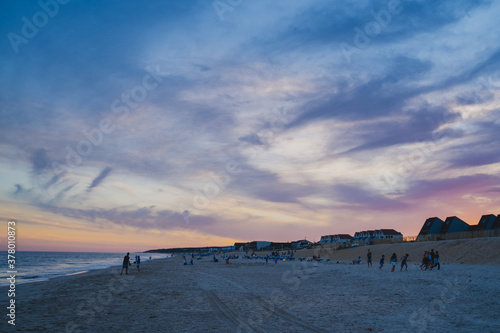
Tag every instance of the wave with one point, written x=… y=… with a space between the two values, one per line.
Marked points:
x=40 y=266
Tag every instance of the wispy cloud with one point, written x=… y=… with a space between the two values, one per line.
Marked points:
x=98 y=180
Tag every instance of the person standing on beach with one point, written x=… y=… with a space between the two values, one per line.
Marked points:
x=394 y=261
x=381 y=262
x=369 y=258
x=138 y=263
x=425 y=261
x=436 y=260
x=126 y=263
x=403 y=263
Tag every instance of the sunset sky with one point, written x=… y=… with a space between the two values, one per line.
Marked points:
x=135 y=125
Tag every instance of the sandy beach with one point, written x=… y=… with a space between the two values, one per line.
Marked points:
x=251 y=296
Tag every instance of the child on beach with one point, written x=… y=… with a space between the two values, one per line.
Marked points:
x=403 y=263
x=425 y=261
x=394 y=261
x=138 y=263
x=436 y=260
x=381 y=262
x=369 y=258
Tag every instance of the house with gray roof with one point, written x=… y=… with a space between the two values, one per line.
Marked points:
x=485 y=223
x=454 y=224
x=432 y=226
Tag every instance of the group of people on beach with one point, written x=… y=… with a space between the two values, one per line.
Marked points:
x=192 y=257
x=394 y=262
x=429 y=261
x=126 y=263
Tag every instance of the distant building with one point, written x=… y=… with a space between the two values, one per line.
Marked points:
x=326 y=239
x=341 y=238
x=364 y=235
x=387 y=234
x=453 y=224
x=279 y=246
x=259 y=245
x=369 y=234
x=432 y=226
x=358 y=235
x=337 y=238
x=241 y=247
x=251 y=246
x=301 y=244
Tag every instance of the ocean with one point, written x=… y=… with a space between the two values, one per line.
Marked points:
x=40 y=266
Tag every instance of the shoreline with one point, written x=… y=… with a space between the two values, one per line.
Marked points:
x=71 y=273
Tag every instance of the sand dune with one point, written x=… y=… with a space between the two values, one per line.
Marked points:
x=474 y=251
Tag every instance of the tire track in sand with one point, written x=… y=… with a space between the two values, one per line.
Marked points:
x=260 y=303
x=220 y=307
x=288 y=317
x=226 y=313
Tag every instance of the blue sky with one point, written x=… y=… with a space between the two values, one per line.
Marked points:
x=183 y=123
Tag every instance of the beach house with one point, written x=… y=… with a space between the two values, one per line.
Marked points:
x=259 y=245
x=280 y=246
x=369 y=234
x=485 y=223
x=326 y=239
x=341 y=238
x=358 y=235
x=301 y=244
x=432 y=226
x=388 y=234
x=241 y=247
x=453 y=224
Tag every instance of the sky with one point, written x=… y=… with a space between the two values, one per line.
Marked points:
x=135 y=125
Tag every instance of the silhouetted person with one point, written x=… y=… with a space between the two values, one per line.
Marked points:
x=126 y=263
x=436 y=260
x=425 y=261
x=403 y=262
x=394 y=261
